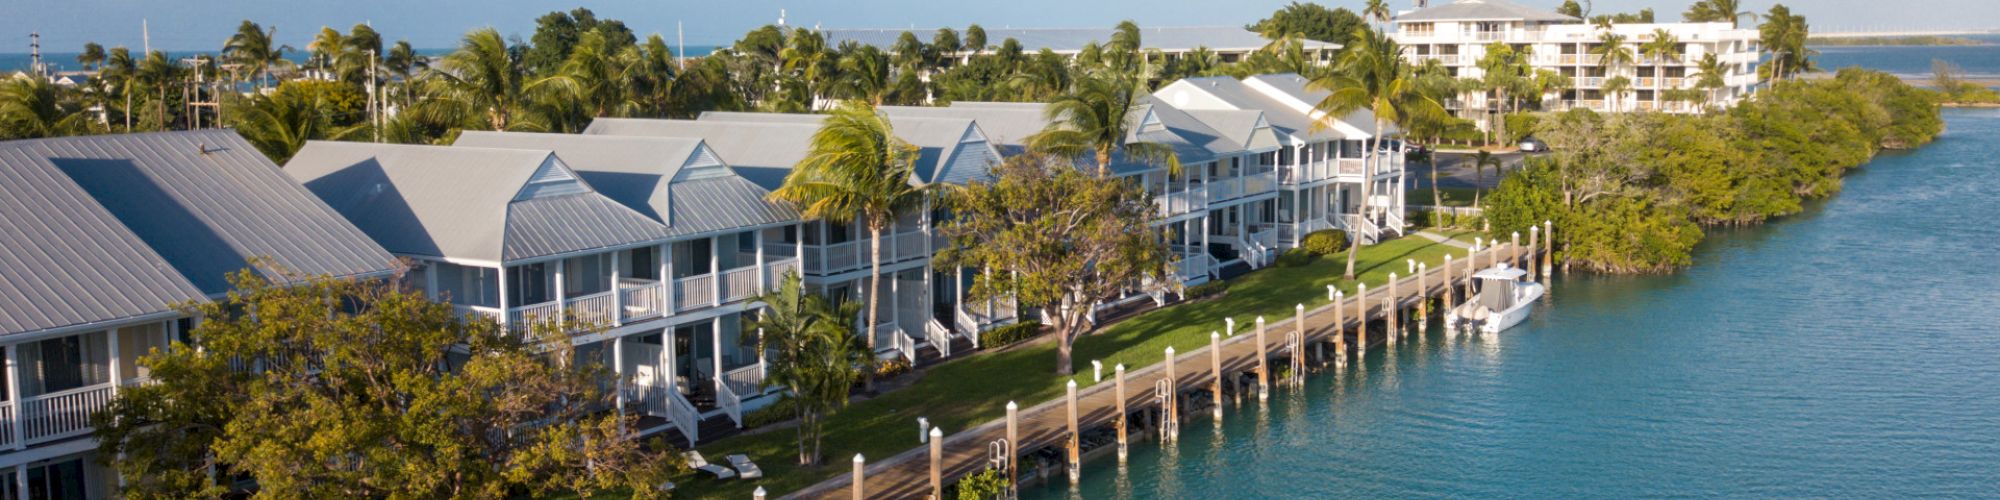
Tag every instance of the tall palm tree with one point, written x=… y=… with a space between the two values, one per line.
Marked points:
x=975 y=39
x=814 y=354
x=1376 y=10
x=1709 y=76
x=1664 y=46
x=91 y=57
x=1730 y=11
x=483 y=80
x=1096 y=118
x=864 y=75
x=807 y=59
x=326 y=47
x=1372 y=75
x=1784 y=35
x=157 y=72
x=352 y=59
x=1480 y=162
x=255 y=50
x=119 y=69
x=1613 y=53
x=1503 y=68
x=1613 y=88
x=281 y=123
x=856 y=168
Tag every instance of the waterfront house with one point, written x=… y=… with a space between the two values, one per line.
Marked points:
x=105 y=239
x=1457 y=34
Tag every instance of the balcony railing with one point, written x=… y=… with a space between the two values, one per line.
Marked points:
x=938 y=336
x=641 y=299
x=63 y=414
x=741 y=283
x=694 y=292
x=775 y=270
x=1260 y=183
x=854 y=255
x=594 y=309
x=909 y=245
x=1174 y=203
x=1225 y=188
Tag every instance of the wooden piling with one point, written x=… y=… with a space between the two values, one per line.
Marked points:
x=1448 y=290
x=1423 y=295
x=860 y=481
x=1263 y=364
x=1361 y=323
x=937 y=463
x=758 y=494
x=1339 y=327
x=1014 y=441
x=1171 y=406
x=1118 y=374
x=1548 y=249
x=1389 y=313
x=1075 y=441
x=1215 y=365
x=1299 y=351
x=1514 y=250
x=1534 y=244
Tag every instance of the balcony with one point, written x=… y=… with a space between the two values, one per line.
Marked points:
x=1229 y=188
x=848 y=256
x=52 y=416
x=1174 y=203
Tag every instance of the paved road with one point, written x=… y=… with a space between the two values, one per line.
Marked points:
x=1455 y=171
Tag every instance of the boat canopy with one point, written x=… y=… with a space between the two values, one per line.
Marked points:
x=1504 y=272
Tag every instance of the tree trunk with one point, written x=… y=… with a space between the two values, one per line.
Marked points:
x=1437 y=196
x=874 y=294
x=1367 y=181
x=1103 y=163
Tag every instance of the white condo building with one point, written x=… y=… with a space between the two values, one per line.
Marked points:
x=1457 y=34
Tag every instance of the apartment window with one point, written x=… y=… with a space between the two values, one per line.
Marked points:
x=135 y=342
x=472 y=286
x=641 y=263
x=586 y=275
x=530 y=284
x=691 y=258
x=65 y=363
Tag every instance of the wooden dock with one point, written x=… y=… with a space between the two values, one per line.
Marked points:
x=1333 y=327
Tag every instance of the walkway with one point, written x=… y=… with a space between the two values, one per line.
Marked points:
x=907 y=475
x=1441 y=239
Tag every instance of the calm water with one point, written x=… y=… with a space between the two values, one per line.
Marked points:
x=1980 y=61
x=1850 y=351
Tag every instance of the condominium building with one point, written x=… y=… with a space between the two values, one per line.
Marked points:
x=1457 y=35
x=106 y=237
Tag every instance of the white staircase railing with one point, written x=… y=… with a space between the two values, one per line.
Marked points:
x=906 y=346
x=663 y=401
x=939 y=337
x=731 y=404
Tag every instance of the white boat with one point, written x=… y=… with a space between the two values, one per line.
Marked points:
x=1503 y=300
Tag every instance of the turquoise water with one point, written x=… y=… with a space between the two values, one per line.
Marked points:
x=1850 y=351
x=1979 y=61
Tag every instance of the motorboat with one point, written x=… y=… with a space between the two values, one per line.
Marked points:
x=1502 y=300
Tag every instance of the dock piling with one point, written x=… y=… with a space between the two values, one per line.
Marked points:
x=1339 y=328
x=860 y=483
x=1118 y=376
x=1534 y=244
x=1215 y=364
x=1171 y=404
x=1014 y=442
x=1361 y=322
x=1263 y=364
x=1548 y=248
x=937 y=463
x=1075 y=443
x=1423 y=296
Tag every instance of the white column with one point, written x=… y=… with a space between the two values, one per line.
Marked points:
x=430 y=281
x=763 y=278
x=14 y=396
x=562 y=307
x=117 y=378
x=617 y=298
x=618 y=368
x=506 y=311
x=665 y=252
x=715 y=348
x=799 y=247
x=715 y=268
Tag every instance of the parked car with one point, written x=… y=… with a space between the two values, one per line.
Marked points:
x=1533 y=145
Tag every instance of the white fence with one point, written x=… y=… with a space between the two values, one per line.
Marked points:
x=62 y=414
x=694 y=292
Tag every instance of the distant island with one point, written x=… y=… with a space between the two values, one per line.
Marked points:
x=1927 y=40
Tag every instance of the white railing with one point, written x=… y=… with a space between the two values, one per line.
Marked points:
x=1179 y=202
x=640 y=299
x=966 y=324
x=694 y=292
x=731 y=404
x=489 y=313
x=1260 y=183
x=1265 y=237
x=1350 y=166
x=1590 y=81
x=904 y=345
x=663 y=401
x=911 y=246
x=6 y=431
x=1192 y=266
x=62 y=414
x=774 y=271
x=939 y=337
x=844 y=256
x=528 y=316
x=747 y=379
x=1225 y=188
x=595 y=309
x=740 y=283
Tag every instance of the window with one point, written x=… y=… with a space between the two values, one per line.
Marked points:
x=135 y=342
x=65 y=363
x=641 y=263
x=586 y=275
x=472 y=286
x=530 y=284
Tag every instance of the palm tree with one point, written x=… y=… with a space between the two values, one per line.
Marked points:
x=483 y=78
x=1784 y=35
x=281 y=123
x=1663 y=47
x=813 y=354
x=1503 y=71
x=1613 y=54
x=1372 y=75
x=945 y=46
x=1615 y=87
x=1480 y=161
x=326 y=47
x=352 y=57
x=975 y=39
x=91 y=57
x=864 y=75
x=119 y=69
x=857 y=168
x=157 y=72
x=253 y=49
x=1709 y=73
x=1376 y=10
x=1718 y=11
x=33 y=108
x=1095 y=118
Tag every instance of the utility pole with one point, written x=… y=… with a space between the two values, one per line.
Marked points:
x=35 y=55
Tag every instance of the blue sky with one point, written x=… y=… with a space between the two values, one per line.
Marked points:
x=204 y=24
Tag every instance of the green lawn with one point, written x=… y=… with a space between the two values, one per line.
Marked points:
x=964 y=393
x=1453 y=197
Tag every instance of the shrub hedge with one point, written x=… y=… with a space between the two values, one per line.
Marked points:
x=1325 y=241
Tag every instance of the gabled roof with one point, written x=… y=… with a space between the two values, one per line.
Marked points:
x=676 y=181
x=1483 y=10
x=1012 y=123
x=764 y=153
x=1244 y=129
x=1284 y=100
x=1297 y=92
x=937 y=138
x=490 y=205
x=103 y=228
x=1071 y=40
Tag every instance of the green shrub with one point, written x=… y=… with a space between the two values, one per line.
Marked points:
x=1009 y=334
x=1325 y=242
x=781 y=410
x=1296 y=257
x=985 y=485
x=1205 y=290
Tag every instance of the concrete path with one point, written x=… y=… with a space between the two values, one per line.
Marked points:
x=1441 y=239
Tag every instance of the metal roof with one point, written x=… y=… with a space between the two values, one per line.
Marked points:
x=102 y=228
x=937 y=139
x=1483 y=10
x=764 y=153
x=646 y=175
x=1070 y=40
x=465 y=203
x=1284 y=99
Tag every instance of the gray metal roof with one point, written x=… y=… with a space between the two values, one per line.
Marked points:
x=1070 y=40
x=1483 y=10
x=1300 y=88
x=465 y=203
x=1285 y=119
x=1007 y=125
x=103 y=228
x=764 y=153
x=645 y=174
x=937 y=139
x=1245 y=129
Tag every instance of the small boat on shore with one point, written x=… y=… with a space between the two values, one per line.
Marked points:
x=1503 y=300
